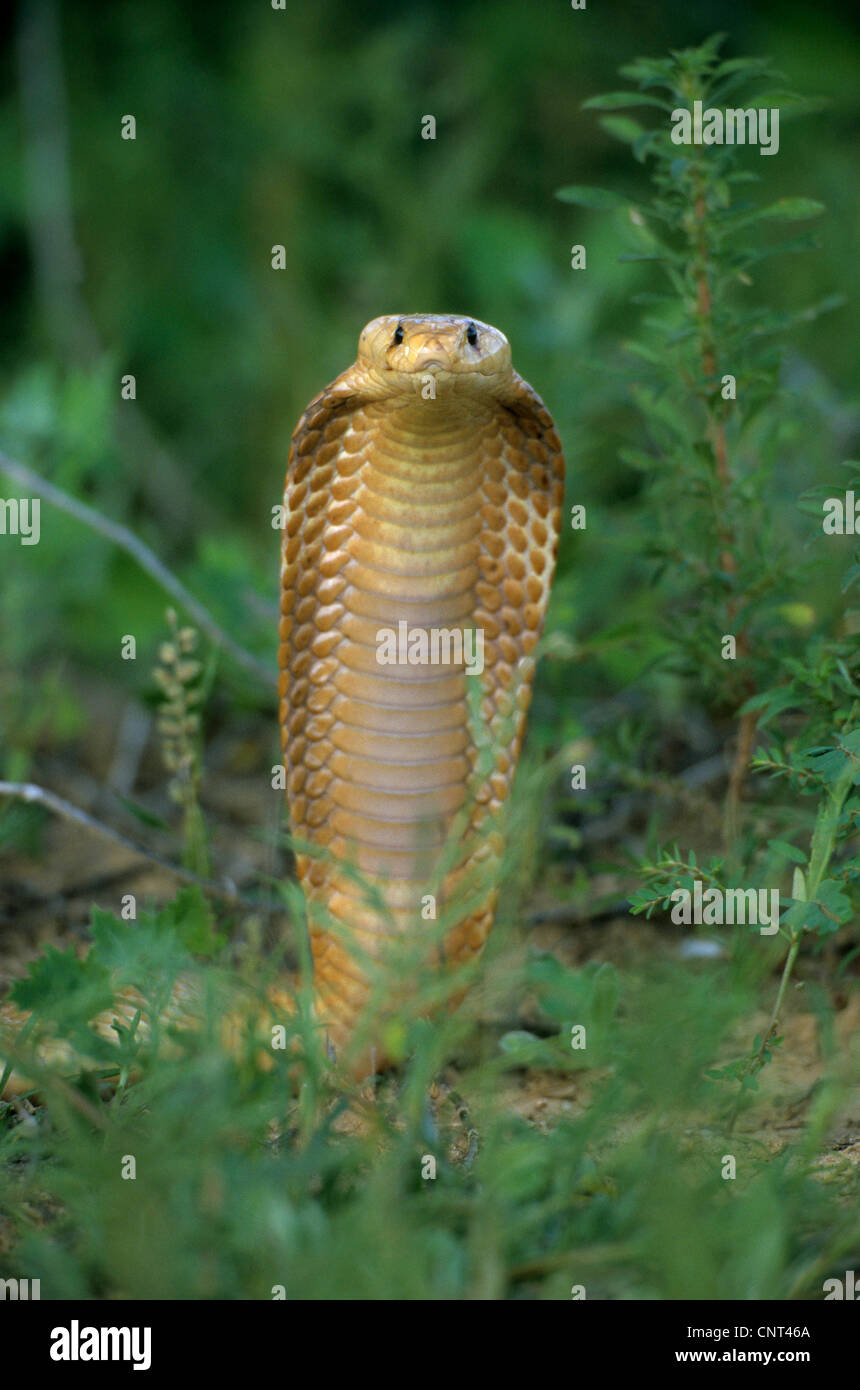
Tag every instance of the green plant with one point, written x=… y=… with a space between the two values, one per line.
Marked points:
x=178 y=675
x=710 y=396
x=292 y=1181
x=707 y=385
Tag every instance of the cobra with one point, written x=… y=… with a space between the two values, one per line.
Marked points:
x=423 y=493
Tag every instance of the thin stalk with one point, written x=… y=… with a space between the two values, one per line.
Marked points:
x=698 y=238
x=41 y=796
x=821 y=850
x=31 y=481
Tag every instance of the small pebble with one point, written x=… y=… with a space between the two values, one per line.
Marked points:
x=699 y=948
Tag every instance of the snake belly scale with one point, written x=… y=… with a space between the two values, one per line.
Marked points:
x=424 y=487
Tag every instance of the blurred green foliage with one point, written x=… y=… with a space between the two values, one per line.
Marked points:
x=301 y=127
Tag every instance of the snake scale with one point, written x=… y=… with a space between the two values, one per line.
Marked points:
x=423 y=499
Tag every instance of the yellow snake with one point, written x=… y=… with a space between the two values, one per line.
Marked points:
x=422 y=510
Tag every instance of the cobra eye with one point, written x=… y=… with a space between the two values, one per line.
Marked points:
x=472 y=335
x=398 y=334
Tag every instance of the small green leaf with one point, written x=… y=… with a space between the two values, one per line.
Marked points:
x=793 y=209
x=61 y=987
x=771 y=702
x=193 y=920
x=518 y=1040
x=830 y=910
x=648 y=71
x=623 y=128
x=616 y=101
x=645 y=463
x=605 y=993
x=746 y=65
x=788 y=852
x=600 y=199
x=145 y=816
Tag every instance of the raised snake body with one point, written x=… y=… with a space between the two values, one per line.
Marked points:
x=423 y=495
x=424 y=488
